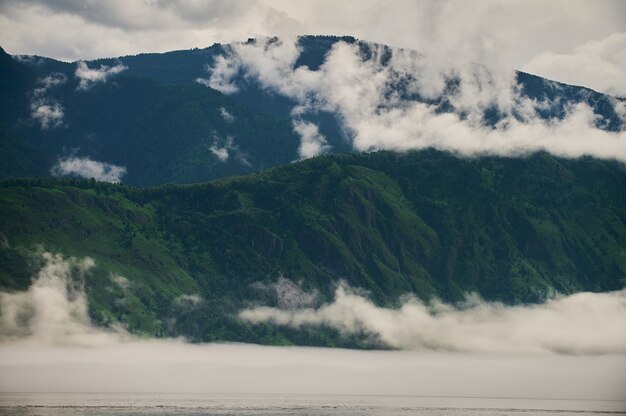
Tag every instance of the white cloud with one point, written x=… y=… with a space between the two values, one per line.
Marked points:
x=47 y=111
x=129 y=27
x=620 y=109
x=48 y=115
x=506 y=34
x=87 y=168
x=598 y=64
x=228 y=117
x=134 y=15
x=312 y=142
x=220 y=152
x=89 y=77
x=222 y=71
x=584 y=323
x=52 y=80
x=223 y=149
x=375 y=116
x=188 y=300
x=54 y=309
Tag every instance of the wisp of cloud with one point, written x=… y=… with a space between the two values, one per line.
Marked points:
x=88 y=77
x=583 y=323
x=88 y=168
x=47 y=111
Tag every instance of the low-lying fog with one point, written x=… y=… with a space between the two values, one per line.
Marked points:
x=48 y=345
x=177 y=367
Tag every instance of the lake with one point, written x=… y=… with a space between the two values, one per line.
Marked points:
x=226 y=379
x=272 y=404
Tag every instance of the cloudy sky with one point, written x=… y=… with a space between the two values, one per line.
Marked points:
x=579 y=42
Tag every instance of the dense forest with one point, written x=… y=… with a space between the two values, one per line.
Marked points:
x=514 y=230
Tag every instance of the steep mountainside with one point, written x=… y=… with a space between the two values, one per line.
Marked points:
x=428 y=223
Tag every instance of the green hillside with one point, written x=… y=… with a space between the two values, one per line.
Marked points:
x=512 y=229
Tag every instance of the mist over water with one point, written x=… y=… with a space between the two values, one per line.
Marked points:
x=177 y=367
x=47 y=344
x=583 y=323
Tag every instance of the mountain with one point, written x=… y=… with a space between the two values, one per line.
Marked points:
x=160 y=132
x=184 y=260
x=484 y=205
x=180 y=117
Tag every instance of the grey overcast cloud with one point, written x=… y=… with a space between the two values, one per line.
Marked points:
x=577 y=42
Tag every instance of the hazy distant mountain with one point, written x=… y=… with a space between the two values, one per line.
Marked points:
x=152 y=119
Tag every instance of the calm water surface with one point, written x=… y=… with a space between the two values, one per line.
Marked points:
x=205 y=404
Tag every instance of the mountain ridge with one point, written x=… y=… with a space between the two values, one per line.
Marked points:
x=51 y=118
x=426 y=223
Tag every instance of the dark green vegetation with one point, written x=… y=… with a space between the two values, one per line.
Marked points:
x=428 y=223
x=160 y=132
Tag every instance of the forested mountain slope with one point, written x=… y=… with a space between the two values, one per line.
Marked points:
x=426 y=223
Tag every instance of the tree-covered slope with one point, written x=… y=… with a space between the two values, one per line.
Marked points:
x=158 y=132
x=428 y=223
